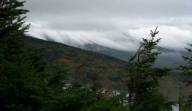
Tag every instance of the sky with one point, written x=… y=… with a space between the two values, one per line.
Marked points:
x=118 y=24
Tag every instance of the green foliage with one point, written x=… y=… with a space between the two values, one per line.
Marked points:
x=187 y=69
x=12 y=27
x=73 y=98
x=153 y=103
x=24 y=79
x=83 y=66
x=28 y=82
x=142 y=78
x=186 y=103
x=11 y=18
x=20 y=86
x=147 y=52
x=104 y=105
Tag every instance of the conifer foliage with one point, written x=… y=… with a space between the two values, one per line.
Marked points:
x=12 y=26
x=27 y=83
x=142 y=78
x=187 y=69
x=12 y=18
x=186 y=103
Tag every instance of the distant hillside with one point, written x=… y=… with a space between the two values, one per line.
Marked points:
x=167 y=58
x=102 y=70
x=105 y=71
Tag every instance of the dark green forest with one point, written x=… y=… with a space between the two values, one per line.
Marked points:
x=41 y=76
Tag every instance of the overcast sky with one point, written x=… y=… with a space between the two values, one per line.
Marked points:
x=118 y=24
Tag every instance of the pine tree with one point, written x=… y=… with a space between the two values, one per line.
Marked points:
x=12 y=27
x=142 y=78
x=187 y=69
x=21 y=88
x=186 y=103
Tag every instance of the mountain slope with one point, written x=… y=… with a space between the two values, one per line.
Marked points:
x=167 y=58
x=99 y=69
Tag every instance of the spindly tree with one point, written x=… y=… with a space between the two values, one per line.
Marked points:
x=187 y=69
x=142 y=78
x=186 y=103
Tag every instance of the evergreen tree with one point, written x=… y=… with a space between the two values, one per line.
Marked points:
x=187 y=69
x=12 y=27
x=186 y=103
x=21 y=87
x=27 y=83
x=142 y=78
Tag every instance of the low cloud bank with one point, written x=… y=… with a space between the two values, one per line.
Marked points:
x=117 y=33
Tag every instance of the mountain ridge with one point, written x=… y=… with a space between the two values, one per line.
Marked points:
x=84 y=66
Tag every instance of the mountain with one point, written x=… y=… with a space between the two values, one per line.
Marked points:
x=83 y=65
x=167 y=58
x=92 y=64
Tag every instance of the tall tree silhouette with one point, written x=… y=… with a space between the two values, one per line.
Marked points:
x=185 y=104
x=142 y=78
x=12 y=27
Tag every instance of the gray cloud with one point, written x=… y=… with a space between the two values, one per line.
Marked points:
x=112 y=7
x=106 y=22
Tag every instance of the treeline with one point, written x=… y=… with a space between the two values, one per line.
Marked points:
x=29 y=83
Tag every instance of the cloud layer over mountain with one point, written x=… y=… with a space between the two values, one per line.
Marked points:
x=118 y=24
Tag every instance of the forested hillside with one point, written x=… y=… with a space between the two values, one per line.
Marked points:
x=83 y=66
x=38 y=75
